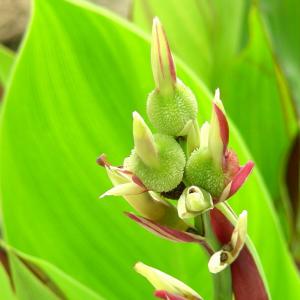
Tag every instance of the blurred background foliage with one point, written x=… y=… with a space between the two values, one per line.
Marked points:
x=250 y=49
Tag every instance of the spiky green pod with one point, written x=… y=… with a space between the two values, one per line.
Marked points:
x=169 y=171
x=201 y=171
x=169 y=113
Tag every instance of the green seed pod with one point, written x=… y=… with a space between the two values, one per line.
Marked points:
x=170 y=112
x=169 y=171
x=201 y=171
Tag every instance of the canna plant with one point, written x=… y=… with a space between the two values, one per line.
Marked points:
x=179 y=180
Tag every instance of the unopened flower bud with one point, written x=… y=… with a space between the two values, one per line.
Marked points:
x=193 y=201
x=162 y=62
x=168 y=173
x=163 y=282
x=144 y=144
x=204 y=135
x=219 y=132
x=192 y=132
x=212 y=166
x=171 y=105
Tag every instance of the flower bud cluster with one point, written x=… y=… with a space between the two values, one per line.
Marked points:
x=182 y=154
x=182 y=158
x=183 y=161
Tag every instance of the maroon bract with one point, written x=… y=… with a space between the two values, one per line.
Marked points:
x=247 y=281
x=167 y=296
x=169 y=233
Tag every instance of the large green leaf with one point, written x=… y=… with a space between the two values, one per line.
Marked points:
x=80 y=74
x=87 y=238
x=35 y=278
x=282 y=18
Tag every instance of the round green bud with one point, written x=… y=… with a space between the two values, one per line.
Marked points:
x=201 y=171
x=169 y=171
x=170 y=113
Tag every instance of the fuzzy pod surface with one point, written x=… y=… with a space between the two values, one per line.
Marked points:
x=170 y=113
x=201 y=171
x=169 y=172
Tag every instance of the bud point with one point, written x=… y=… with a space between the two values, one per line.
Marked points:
x=144 y=141
x=219 y=132
x=163 y=67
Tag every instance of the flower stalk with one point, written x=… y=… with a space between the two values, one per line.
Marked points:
x=162 y=62
x=221 y=281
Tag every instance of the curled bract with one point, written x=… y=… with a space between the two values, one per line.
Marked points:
x=193 y=202
x=229 y=252
x=148 y=204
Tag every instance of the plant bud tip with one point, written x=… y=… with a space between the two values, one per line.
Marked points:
x=102 y=161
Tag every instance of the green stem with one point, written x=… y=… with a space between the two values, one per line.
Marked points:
x=222 y=285
x=199 y=224
x=222 y=280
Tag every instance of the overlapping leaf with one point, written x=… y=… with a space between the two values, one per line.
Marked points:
x=33 y=278
x=81 y=73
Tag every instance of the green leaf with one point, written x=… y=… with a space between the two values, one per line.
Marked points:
x=257 y=98
x=28 y=286
x=66 y=223
x=6 y=61
x=35 y=278
x=282 y=18
x=6 y=289
x=78 y=90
